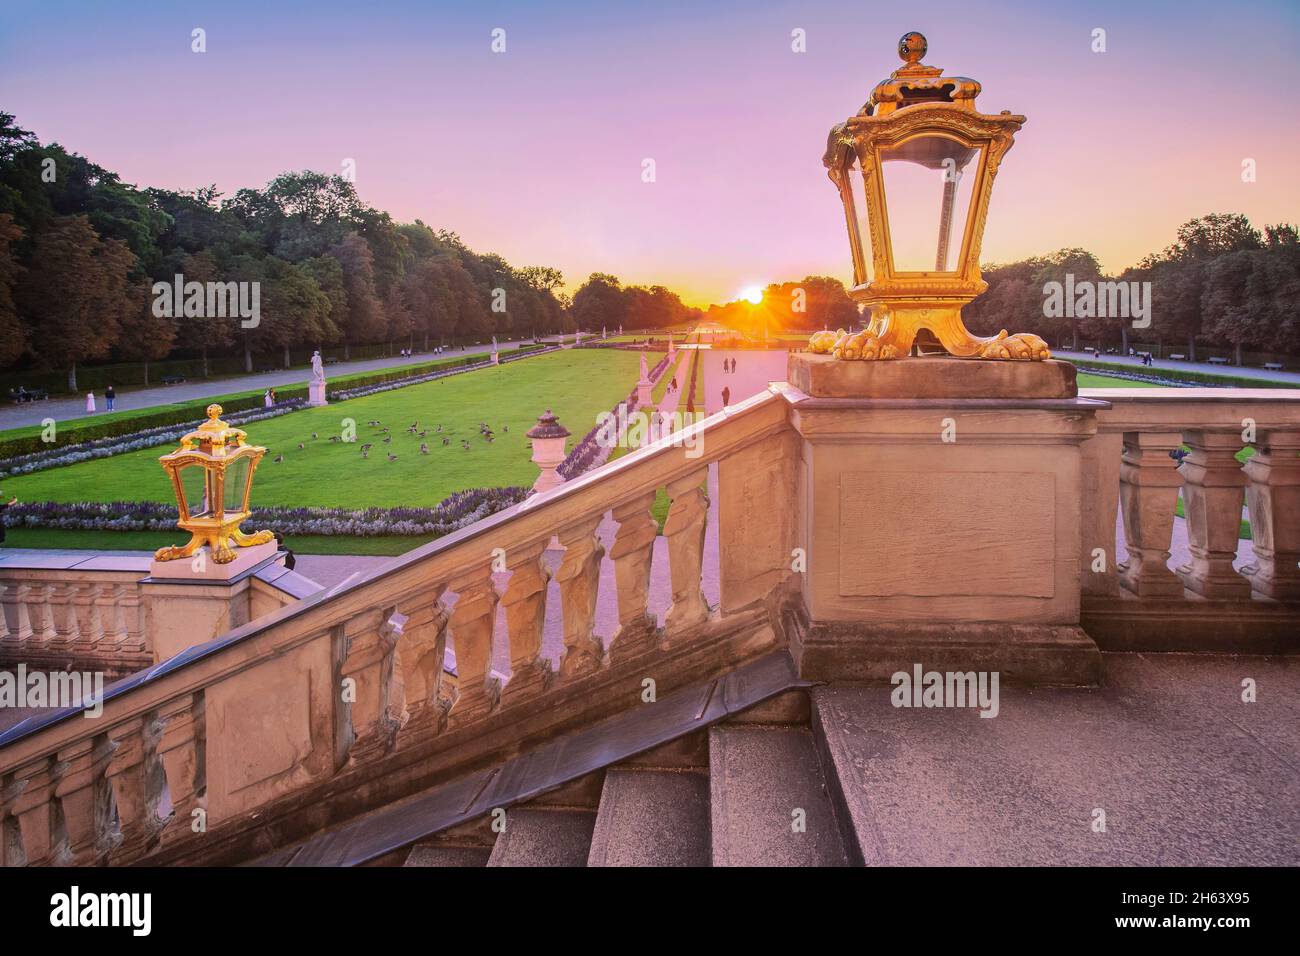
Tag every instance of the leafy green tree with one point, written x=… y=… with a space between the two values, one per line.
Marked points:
x=74 y=294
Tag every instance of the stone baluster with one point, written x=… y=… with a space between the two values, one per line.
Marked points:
x=1101 y=458
x=6 y=636
x=137 y=780
x=128 y=620
x=182 y=748
x=31 y=803
x=41 y=613
x=1273 y=501
x=525 y=605
x=421 y=655
x=684 y=532
x=473 y=623
x=377 y=698
x=90 y=625
x=579 y=577
x=633 y=555
x=82 y=791
x=1148 y=491
x=1213 y=494
x=64 y=613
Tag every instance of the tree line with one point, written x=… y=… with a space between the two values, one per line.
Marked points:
x=1222 y=283
x=80 y=252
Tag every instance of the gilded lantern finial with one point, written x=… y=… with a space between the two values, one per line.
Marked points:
x=912 y=47
x=212 y=477
x=915 y=168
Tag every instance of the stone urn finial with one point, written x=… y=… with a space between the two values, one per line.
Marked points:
x=548 y=437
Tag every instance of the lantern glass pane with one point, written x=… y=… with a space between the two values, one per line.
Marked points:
x=194 y=480
x=236 y=484
x=861 y=269
x=929 y=182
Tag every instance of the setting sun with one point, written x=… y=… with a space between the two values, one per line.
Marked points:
x=752 y=294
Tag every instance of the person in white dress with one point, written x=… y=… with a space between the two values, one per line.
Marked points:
x=90 y=402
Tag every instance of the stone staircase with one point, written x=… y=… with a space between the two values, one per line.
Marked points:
x=1184 y=772
x=748 y=791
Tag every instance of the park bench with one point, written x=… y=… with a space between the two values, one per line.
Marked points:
x=1273 y=366
x=1178 y=356
x=1215 y=360
x=333 y=360
x=173 y=379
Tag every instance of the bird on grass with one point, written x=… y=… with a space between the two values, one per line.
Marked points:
x=301 y=446
x=424 y=449
x=314 y=435
x=334 y=438
x=279 y=458
x=439 y=428
x=388 y=439
x=423 y=433
x=446 y=440
x=392 y=457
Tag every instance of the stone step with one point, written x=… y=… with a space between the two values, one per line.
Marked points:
x=652 y=818
x=536 y=837
x=759 y=778
x=433 y=854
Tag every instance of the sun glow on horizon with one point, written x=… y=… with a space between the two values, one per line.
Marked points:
x=752 y=294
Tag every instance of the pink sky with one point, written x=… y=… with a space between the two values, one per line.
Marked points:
x=536 y=153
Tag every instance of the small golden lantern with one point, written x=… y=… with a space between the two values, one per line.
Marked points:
x=914 y=169
x=212 y=484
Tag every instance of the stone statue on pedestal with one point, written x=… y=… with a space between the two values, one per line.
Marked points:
x=316 y=387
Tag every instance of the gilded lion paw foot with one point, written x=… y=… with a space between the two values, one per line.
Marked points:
x=863 y=347
x=1022 y=347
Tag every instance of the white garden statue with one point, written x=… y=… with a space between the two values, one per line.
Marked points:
x=316 y=387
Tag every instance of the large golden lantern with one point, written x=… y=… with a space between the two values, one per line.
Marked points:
x=914 y=169
x=212 y=484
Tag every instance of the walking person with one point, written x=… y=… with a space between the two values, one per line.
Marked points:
x=90 y=403
x=726 y=396
x=266 y=399
x=110 y=396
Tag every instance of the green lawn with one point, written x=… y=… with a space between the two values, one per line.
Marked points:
x=1088 y=380
x=576 y=384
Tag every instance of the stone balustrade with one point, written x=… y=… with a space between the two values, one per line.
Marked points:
x=1207 y=603
x=180 y=767
x=352 y=679
x=91 y=612
x=75 y=610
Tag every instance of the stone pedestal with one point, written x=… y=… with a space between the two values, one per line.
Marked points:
x=191 y=601
x=944 y=518
x=316 y=393
x=496 y=358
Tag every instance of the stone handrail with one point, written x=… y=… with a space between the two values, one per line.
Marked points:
x=1129 y=469
x=342 y=695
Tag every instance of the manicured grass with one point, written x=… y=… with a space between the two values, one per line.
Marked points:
x=1088 y=380
x=576 y=384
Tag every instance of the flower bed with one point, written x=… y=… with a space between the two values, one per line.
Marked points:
x=451 y=514
x=589 y=452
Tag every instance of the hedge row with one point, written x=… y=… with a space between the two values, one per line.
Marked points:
x=182 y=412
x=1189 y=376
